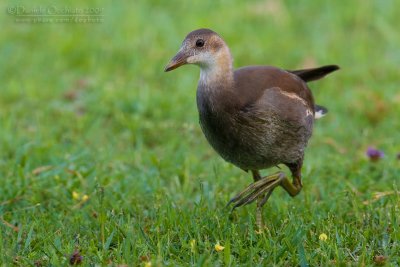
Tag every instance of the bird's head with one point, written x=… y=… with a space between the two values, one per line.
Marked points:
x=202 y=47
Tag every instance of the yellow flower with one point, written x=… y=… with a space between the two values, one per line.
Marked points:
x=323 y=237
x=85 y=198
x=218 y=247
x=75 y=195
x=147 y=264
x=192 y=245
x=259 y=232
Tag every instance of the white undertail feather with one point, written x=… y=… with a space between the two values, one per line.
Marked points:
x=319 y=114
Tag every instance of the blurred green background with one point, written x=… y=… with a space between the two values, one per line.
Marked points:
x=101 y=153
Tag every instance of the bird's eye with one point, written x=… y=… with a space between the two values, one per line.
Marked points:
x=200 y=43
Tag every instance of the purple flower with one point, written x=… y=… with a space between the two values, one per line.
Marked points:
x=75 y=258
x=374 y=154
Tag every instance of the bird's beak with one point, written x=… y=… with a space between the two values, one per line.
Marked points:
x=178 y=60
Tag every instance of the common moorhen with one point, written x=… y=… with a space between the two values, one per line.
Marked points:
x=255 y=117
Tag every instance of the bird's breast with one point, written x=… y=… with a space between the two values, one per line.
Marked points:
x=218 y=123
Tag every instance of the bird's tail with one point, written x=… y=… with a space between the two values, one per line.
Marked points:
x=313 y=74
x=320 y=111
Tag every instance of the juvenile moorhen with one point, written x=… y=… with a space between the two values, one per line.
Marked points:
x=255 y=117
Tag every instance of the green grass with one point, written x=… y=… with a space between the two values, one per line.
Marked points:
x=91 y=102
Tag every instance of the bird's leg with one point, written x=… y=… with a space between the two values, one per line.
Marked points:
x=259 y=220
x=294 y=188
x=262 y=189
x=265 y=186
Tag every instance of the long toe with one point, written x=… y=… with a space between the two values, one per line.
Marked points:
x=257 y=189
x=252 y=187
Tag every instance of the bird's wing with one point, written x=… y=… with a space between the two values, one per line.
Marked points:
x=287 y=106
x=259 y=82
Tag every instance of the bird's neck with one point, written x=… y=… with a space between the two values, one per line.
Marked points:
x=215 y=91
x=218 y=73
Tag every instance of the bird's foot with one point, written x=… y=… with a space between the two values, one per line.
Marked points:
x=264 y=186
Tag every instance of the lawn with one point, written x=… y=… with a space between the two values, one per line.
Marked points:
x=102 y=159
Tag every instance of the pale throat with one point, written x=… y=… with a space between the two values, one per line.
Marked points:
x=217 y=71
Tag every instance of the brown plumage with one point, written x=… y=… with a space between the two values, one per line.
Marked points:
x=255 y=117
